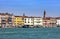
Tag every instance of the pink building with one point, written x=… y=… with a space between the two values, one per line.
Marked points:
x=6 y=20
x=49 y=22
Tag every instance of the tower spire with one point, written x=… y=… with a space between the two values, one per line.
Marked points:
x=23 y=14
x=44 y=14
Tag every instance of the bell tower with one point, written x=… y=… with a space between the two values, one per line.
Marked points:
x=44 y=15
x=23 y=14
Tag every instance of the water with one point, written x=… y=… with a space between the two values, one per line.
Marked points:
x=29 y=33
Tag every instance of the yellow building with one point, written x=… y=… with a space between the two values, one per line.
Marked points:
x=18 y=21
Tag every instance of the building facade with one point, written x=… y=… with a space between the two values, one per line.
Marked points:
x=28 y=21
x=58 y=21
x=33 y=21
x=49 y=22
x=6 y=20
x=38 y=21
x=18 y=21
x=46 y=22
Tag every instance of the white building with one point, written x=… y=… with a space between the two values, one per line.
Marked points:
x=28 y=21
x=35 y=21
x=38 y=21
x=58 y=22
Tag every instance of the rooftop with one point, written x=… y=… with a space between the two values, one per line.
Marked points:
x=5 y=14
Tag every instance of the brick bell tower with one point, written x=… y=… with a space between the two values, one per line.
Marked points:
x=44 y=15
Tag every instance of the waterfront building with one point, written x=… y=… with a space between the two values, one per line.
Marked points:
x=28 y=21
x=33 y=21
x=6 y=20
x=46 y=22
x=58 y=21
x=53 y=22
x=38 y=21
x=0 y=20
x=10 y=20
x=49 y=22
x=19 y=21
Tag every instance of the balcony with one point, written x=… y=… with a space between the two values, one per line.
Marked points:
x=3 y=21
x=9 y=20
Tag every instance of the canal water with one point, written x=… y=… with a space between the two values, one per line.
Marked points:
x=29 y=33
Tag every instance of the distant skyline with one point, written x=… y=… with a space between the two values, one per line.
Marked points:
x=31 y=7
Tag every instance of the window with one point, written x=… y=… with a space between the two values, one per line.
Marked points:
x=31 y=19
x=9 y=19
x=28 y=22
x=25 y=19
x=3 y=18
x=38 y=22
x=31 y=22
x=28 y=19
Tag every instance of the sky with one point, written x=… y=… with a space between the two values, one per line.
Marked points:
x=31 y=7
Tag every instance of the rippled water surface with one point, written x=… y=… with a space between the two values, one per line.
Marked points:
x=29 y=33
